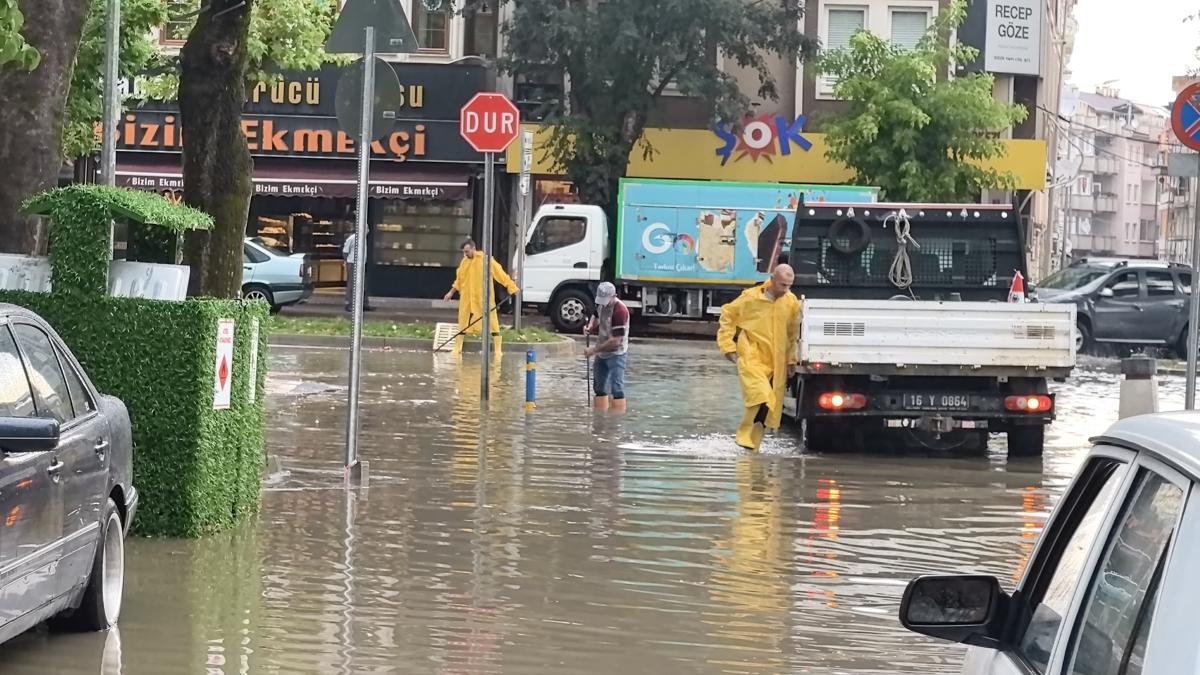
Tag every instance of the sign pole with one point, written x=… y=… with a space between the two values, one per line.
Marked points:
x=489 y=163
x=524 y=216
x=1194 y=314
x=352 y=469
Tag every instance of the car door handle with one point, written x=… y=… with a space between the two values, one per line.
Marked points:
x=55 y=470
x=580 y=265
x=101 y=447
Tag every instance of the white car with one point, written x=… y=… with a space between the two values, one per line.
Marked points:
x=1111 y=588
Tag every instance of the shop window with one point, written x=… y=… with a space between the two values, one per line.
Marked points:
x=482 y=30
x=315 y=227
x=555 y=233
x=413 y=233
x=431 y=23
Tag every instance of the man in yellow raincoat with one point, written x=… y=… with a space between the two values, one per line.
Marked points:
x=468 y=283
x=760 y=333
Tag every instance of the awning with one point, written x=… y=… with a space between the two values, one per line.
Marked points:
x=307 y=178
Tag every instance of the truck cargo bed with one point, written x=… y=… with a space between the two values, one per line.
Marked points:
x=886 y=337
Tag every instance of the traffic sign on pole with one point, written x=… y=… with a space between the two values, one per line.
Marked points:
x=394 y=32
x=1185 y=116
x=489 y=122
x=1185 y=120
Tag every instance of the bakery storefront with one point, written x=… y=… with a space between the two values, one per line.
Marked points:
x=423 y=175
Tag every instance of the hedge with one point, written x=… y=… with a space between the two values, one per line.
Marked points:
x=198 y=470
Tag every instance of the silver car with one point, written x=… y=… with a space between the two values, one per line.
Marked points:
x=275 y=278
x=1110 y=588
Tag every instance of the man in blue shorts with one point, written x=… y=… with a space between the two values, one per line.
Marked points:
x=611 y=323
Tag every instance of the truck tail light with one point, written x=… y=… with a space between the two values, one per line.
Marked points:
x=839 y=401
x=1029 y=404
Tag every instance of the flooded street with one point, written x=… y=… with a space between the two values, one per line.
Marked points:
x=570 y=542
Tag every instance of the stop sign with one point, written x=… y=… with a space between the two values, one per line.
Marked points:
x=489 y=122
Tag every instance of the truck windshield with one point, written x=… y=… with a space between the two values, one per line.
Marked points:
x=1072 y=278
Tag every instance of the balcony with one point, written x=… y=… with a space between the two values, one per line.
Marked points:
x=1083 y=203
x=1094 y=243
x=1106 y=203
x=1107 y=166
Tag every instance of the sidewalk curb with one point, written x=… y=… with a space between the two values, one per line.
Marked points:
x=566 y=347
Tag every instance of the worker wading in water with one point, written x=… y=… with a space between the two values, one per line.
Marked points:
x=760 y=333
x=468 y=283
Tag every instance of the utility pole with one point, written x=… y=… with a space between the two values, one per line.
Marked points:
x=1066 y=234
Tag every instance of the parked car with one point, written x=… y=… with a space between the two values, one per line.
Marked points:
x=1110 y=586
x=66 y=492
x=273 y=277
x=1132 y=303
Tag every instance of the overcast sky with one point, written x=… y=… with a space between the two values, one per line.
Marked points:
x=1140 y=44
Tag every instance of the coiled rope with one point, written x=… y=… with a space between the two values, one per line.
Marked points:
x=901 y=272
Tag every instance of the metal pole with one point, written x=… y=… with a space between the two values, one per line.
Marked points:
x=525 y=216
x=112 y=103
x=489 y=162
x=1194 y=314
x=521 y=218
x=360 y=246
x=1066 y=234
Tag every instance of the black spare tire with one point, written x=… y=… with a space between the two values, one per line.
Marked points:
x=849 y=235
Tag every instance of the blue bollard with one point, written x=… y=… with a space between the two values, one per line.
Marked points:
x=530 y=380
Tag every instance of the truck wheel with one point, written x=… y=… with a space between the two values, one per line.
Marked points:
x=1026 y=441
x=570 y=311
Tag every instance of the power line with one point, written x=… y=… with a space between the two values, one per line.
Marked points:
x=1097 y=129
x=1093 y=144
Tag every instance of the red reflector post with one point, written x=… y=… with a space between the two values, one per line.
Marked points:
x=836 y=400
x=1029 y=404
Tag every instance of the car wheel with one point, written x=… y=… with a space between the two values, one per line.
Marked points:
x=1083 y=338
x=570 y=311
x=1181 y=345
x=257 y=292
x=1026 y=441
x=101 y=605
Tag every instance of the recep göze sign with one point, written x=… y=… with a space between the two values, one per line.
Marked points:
x=1013 y=43
x=294 y=116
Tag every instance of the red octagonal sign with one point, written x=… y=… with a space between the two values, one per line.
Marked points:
x=490 y=122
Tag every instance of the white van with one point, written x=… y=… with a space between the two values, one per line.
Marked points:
x=1111 y=588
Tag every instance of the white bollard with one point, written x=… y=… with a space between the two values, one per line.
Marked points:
x=1139 y=388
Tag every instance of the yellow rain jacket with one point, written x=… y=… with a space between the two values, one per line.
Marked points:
x=469 y=284
x=766 y=336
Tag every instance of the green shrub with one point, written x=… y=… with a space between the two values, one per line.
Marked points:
x=198 y=470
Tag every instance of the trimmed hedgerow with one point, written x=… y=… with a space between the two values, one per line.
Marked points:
x=198 y=470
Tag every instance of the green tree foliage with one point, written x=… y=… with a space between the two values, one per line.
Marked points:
x=14 y=50
x=139 y=50
x=908 y=128
x=620 y=57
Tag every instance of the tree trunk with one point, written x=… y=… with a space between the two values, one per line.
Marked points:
x=32 y=112
x=217 y=169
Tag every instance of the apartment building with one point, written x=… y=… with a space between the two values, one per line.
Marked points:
x=1115 y=205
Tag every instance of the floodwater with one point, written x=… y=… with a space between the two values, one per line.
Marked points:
x=570 y=542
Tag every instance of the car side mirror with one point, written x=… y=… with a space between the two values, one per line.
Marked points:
x=1106 y=293
x=28 y=434
x=967 y=609
x=529 y=249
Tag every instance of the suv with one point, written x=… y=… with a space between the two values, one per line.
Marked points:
x=1124 y=302
x=1111 y=585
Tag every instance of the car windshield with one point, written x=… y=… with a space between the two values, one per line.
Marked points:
x=1072 y=278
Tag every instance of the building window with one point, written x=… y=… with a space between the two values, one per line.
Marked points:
x=181 y=16
x=843 y=24
x=431 y=23
x=908 y=27
x=482 y=31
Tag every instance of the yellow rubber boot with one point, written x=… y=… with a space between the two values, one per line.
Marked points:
x=497 y=346
x=750 y=433
x=458 y=343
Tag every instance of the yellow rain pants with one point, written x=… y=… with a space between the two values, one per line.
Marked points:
x=469 y=283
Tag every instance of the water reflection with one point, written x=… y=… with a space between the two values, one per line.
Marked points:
x=566 y=541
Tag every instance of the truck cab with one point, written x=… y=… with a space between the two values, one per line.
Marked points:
x=565 y=251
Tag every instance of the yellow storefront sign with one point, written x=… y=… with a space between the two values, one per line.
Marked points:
x=695 y=154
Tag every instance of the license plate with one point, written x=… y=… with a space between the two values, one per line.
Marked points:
x=937 y=401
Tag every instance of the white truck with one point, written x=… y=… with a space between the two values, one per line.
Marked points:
x=907 y=333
